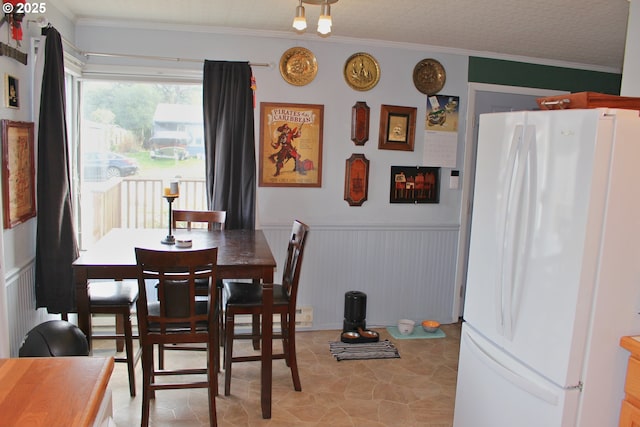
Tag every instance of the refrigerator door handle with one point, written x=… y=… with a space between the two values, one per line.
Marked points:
x=524 y=383
x=521 y=232
x=504 y=242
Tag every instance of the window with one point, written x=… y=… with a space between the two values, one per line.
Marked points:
x=133 y=138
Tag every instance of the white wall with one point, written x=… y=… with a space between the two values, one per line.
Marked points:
x=402 y=256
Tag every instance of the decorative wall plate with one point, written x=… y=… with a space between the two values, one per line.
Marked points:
x=429 y=76
x=298 y=66
x=361 y=71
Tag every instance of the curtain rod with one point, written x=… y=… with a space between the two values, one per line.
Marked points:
x=160 y=58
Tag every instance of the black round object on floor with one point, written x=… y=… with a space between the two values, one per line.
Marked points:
x=54 y=338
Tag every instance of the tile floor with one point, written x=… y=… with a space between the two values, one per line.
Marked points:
x=416 y=390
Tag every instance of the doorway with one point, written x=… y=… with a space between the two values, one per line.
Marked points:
x=483 y=98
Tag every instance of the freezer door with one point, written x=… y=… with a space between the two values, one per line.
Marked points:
x=535 y=234
x=494 y=390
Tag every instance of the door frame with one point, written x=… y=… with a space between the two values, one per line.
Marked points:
x=468 y=178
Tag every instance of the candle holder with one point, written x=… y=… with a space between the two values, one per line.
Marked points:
x=170 y=240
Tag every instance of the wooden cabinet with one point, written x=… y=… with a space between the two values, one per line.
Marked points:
x=630 y=411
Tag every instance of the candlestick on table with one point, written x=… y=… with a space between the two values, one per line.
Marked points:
x=170 y=240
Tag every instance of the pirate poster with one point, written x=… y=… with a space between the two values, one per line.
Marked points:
x=290 y=145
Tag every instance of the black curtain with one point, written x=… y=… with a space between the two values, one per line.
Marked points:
x=229 y=141
x=56 y=245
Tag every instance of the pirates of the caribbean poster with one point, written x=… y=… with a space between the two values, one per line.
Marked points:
x=290 y=145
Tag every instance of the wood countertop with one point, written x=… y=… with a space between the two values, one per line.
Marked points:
x=52 y=391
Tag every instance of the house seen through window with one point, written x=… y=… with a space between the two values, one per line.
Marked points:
x=134 y=138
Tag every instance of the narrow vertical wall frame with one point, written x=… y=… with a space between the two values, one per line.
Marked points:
x=356 y=180
x=360 y=123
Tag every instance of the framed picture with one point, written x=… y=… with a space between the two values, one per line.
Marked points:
x=360 y=123
x=11 y=94
x=290 y=145
x=356 y=180
x=415 y=184
x=397 y=128
x=18 y=172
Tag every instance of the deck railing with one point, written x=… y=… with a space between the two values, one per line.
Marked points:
x=133 y=203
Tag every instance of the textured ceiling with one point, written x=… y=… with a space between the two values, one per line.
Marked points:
x=589 y=32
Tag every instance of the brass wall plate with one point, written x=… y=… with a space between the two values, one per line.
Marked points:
x=429 y=76
x=298 y=66
x=361 y=71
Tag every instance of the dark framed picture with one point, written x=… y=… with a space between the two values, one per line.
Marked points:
x=360 y=123
x=11 y=94
x=397 y=128
x=356 y=180
x=415 y=184
x=290 y=145
x=18 y=172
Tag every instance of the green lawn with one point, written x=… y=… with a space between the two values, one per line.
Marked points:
x=189 y=168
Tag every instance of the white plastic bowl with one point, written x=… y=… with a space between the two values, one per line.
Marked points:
x=405 y=326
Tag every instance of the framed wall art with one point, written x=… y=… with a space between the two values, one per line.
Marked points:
x=11 y=94
x=360 y=123
x=397 y=128
x=18 y=172
x=414 y=184
x=356 y=180
x=290 y=145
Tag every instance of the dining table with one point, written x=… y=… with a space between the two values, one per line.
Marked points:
x=242 y=254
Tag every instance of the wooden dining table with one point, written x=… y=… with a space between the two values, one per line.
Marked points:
x=242 y=254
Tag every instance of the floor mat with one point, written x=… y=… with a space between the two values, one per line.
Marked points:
x=418 y=333
x=374 y=350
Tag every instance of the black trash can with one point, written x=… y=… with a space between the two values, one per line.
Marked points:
x=355 y=311
x=54 y=338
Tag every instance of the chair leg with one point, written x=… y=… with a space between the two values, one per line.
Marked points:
x=212 y=375
x=147 y=394
x=128 y=341
x=291 y=349
x=120 y=343
x=228 y=351
x=160 y=356
x=285 y=339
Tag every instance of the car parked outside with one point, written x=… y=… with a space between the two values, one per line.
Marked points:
x=100 y=166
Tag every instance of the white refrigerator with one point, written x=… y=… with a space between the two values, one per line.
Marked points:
x=554 y=269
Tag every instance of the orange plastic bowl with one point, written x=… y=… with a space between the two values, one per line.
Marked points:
x=430 y=325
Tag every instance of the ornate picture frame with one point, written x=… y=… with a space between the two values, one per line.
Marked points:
x=360 y=123
x=290 y=145
x=414 y=184
x=397 y=128
x=356 y=180
x=18 y=172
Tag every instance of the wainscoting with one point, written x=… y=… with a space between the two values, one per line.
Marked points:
x=21 y=304
x=405 y=272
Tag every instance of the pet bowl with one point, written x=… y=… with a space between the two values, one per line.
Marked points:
x=405 y=326
x=430 y=325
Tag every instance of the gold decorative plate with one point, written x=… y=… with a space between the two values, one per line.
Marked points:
x=429 y=76
x=361 y=71
x=298 y=66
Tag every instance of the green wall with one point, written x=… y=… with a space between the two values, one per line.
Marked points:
x=510 y=73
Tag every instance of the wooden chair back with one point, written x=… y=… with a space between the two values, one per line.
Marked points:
x=178 y=311
x=293 y=262
x=213 y=219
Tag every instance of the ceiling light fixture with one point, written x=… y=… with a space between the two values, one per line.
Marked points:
x=324 y=22
x=300 y=22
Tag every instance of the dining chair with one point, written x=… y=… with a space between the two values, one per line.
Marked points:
x=246 y=298
x=178 y=317
x=117 y=297
x=214 y=220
